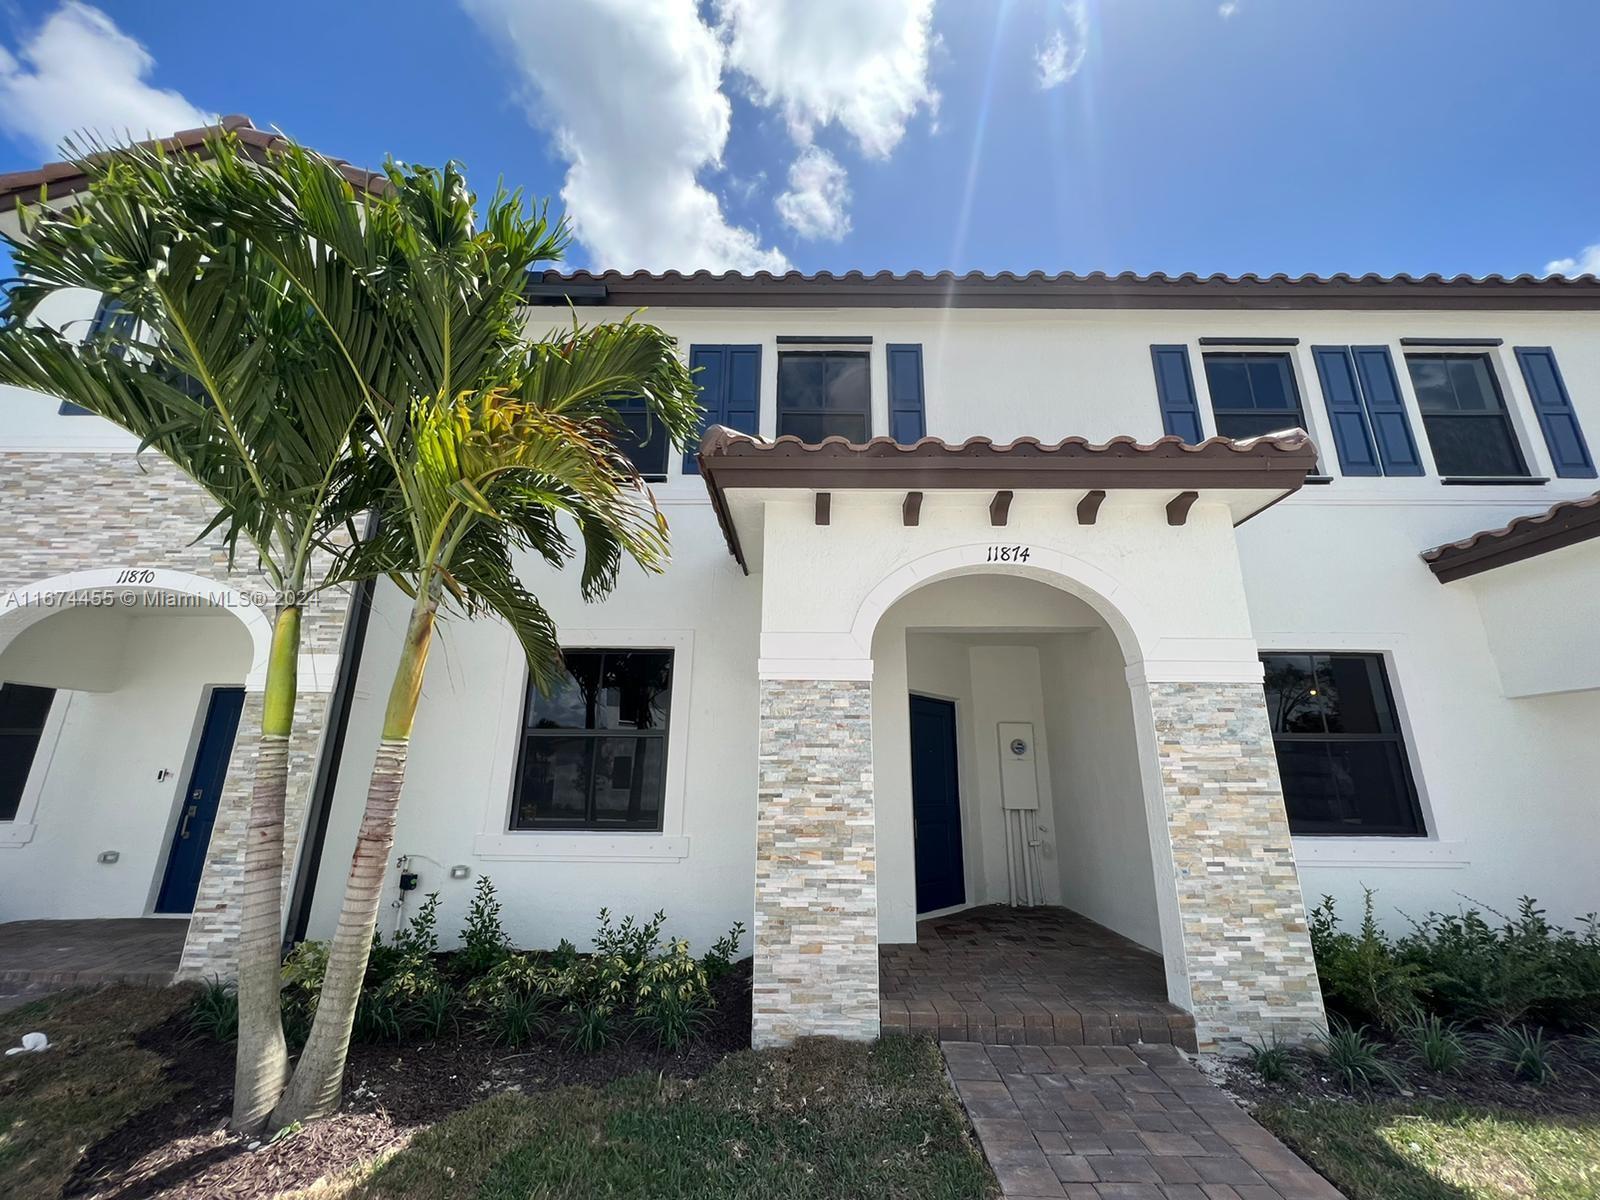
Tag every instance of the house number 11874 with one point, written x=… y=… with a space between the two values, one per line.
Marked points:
x=1008 y=554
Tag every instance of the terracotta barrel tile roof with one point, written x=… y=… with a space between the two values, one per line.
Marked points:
x=1563 y=524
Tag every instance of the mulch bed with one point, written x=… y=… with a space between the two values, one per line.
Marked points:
x=1483 y=1082
x=182 y=1150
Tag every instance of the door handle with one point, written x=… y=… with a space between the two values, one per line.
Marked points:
x=183 y=830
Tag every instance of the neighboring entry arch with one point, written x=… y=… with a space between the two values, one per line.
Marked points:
x=119 y=587
x=1089 y=583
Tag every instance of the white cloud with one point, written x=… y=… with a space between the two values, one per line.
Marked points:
x=1062 y=54
x=1227 y=8
x=633 y=94
x=863 y=65
x=78 y=73
x=1586 y=263
x=817 y=202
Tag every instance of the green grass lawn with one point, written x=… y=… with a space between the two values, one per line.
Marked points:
x=822 y=1119
x=1437 y=1151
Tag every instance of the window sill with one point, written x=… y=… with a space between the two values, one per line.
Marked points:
x=1380 y=852
x=581 y=847
x=1493 y=480
x=16 y=833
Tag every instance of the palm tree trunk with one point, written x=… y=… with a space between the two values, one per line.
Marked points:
x=318 y=1080
x=262 y=1065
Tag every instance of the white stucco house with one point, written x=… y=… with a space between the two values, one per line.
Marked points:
x=1174 y=602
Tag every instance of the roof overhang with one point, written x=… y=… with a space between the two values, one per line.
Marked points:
x=742 y=471
x=1564 y=524
x=57 y=180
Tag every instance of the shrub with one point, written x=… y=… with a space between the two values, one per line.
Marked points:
x=406 y=992
x=1271 y=1063
x=673 y=997
x=1355 y=1059
x=215 y=1012
x=1361 y=974
x=483 y=937
x=1499 y=976
x=593 y=1027
x=1525 y=1051
x=1436 y=1043
x=718 y=960
x=515 y=1018
x=302 y=982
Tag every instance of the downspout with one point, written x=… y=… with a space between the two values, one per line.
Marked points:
x=337 y=722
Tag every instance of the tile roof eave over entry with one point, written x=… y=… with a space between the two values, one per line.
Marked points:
x=1275 y=463
x=1563 y=524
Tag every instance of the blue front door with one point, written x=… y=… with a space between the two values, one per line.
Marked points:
x=193 y=835
x=936 y=805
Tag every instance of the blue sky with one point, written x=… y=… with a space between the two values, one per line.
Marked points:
x=1175 y=135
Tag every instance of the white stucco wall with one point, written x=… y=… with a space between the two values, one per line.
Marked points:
x=1542 y=642
x=94 y=784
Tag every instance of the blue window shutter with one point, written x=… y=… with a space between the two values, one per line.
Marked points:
x=1180 y=411
x=1386 y=411
x=729 y=379
x=907 y=419
x=1568 y=450
x=1342 y=395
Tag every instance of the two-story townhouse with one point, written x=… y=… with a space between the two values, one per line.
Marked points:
x=1023 y=595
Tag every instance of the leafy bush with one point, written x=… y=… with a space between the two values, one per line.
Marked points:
x=1525 y=1051
x=515 y=1018
x=674 y=997
x=215 y=1011
x=1271 y=1063
x=483 y=938
x=1361 y=974
x=1355 y=1059
x=1437 y=1043
x=593 y=1027
x=1499 y=976
x=718 y=960
x=405 y=992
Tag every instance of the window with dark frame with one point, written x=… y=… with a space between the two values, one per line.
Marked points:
x=1341 y=755
x=23 y=711
x=1253 y=394
x=594 y=751
x=1465 y=415
x=642 y=438
x=824 y=394
x=112 y=321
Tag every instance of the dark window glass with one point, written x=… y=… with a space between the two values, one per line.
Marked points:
x=1340 y=755
x=23 y=710
x=642 y=438
x=1465 y=415
x=594 y=751
x=824 y=395
x=1253 y=394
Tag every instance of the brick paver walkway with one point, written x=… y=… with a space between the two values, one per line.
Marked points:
x=1038 y=976
x=1119 y=1123
x=123 y=950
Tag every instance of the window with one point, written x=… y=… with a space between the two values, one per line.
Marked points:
x=1465 y=416
x=642 y=438
x=1340 y=753
x=1253 y=394
x=594 y=751
x=823 y=394
x=113 y=322
x=23 y=711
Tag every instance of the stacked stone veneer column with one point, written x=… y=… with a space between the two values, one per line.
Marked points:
x=816 y=910
x=80 y=511
x=1246 y=946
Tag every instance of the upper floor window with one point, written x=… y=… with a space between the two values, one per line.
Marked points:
x=1253 y=394
x=1340 y=752
x=23 y=710
x=1465 y=416
x=642 y=438
x=823 y=394
x=594 y=751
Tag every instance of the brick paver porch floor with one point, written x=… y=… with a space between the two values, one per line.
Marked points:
x=118 y=950
x=1119 y=1123
x=1036 y=976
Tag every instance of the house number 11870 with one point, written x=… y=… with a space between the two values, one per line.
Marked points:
x=1008 y=554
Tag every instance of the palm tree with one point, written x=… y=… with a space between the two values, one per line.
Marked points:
x=227 y=376
x=486 y=445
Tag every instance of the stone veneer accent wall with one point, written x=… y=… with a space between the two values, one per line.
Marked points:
x=816 y=911
x=1245 y=940
x=80 y=511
